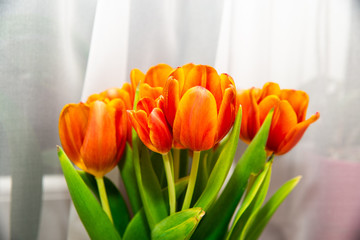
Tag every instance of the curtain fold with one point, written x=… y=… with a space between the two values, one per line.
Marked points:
x=42 y=48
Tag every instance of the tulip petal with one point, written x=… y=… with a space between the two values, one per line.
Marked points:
x=269 y=88
x=295 y=134
x=157 y=75
x=125 y=93
x=266 y=105
x=72 y=128
x=195 y=77
x=146 y=104
x=195 y=124
x=243 y=99
x=299 y=100
x=226 y=81
x=121 y=93
x=136 y=76
x=148 y=91
x=160 y=135
x=99 y=147
x=187 y=67
x=131 y=93
x=226 y=115
x=179 y=75
x=138 y=120
x=284 y=119
x=253 y=115
x=121 y=125
x=250 y=117
x=171 y=99
x=94 y=97
x=213 y=84
x=207 y=77
x=160 y=102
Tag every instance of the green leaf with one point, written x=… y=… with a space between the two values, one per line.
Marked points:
x=258 y=221
x=215 y=224
x=94 y=219
x=117 y=204
x=126 y=166
x=253 y=200
x=149 y=187
x=221 y=168
x=178 y=226
x=215 y=153
x=138 y=227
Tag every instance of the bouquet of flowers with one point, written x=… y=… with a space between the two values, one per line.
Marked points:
x=173 y=134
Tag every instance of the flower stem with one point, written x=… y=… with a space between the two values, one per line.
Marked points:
x=192 y=180
x=176 y=163
x=103 y=197
x=170 y=181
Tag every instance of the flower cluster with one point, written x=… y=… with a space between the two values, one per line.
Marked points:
x=176 y=112
x=188 y=107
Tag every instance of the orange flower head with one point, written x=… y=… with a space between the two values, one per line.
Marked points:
x=150 y=124
x=199 y=105
x=152 y=83
x=94 y=135
x=289 y=120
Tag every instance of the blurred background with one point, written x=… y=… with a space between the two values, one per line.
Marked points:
x=56 y=52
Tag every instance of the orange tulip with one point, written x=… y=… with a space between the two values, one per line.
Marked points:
x=200 y=106
x=150 y=124
x=288 y=124
x=94 y=135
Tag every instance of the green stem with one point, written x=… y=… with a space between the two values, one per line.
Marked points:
x=176 y=163
x=192 y=180
x=103 y=197
x=170 y=181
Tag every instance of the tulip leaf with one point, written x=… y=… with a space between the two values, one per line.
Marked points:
x=126 y=166
x=94 y=219
x=138 y=227
x=178 y=226
x=116 y=201
x=221 y=168
x=149 y=186
x=213 y=154
x=253 y=200
x=215 y=223
x=258 y=221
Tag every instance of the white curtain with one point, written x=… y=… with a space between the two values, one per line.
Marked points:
x=61 y=51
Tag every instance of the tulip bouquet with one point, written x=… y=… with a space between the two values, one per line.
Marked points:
x=173 y=134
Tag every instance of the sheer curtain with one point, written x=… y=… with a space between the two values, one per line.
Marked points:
x=57 y=52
